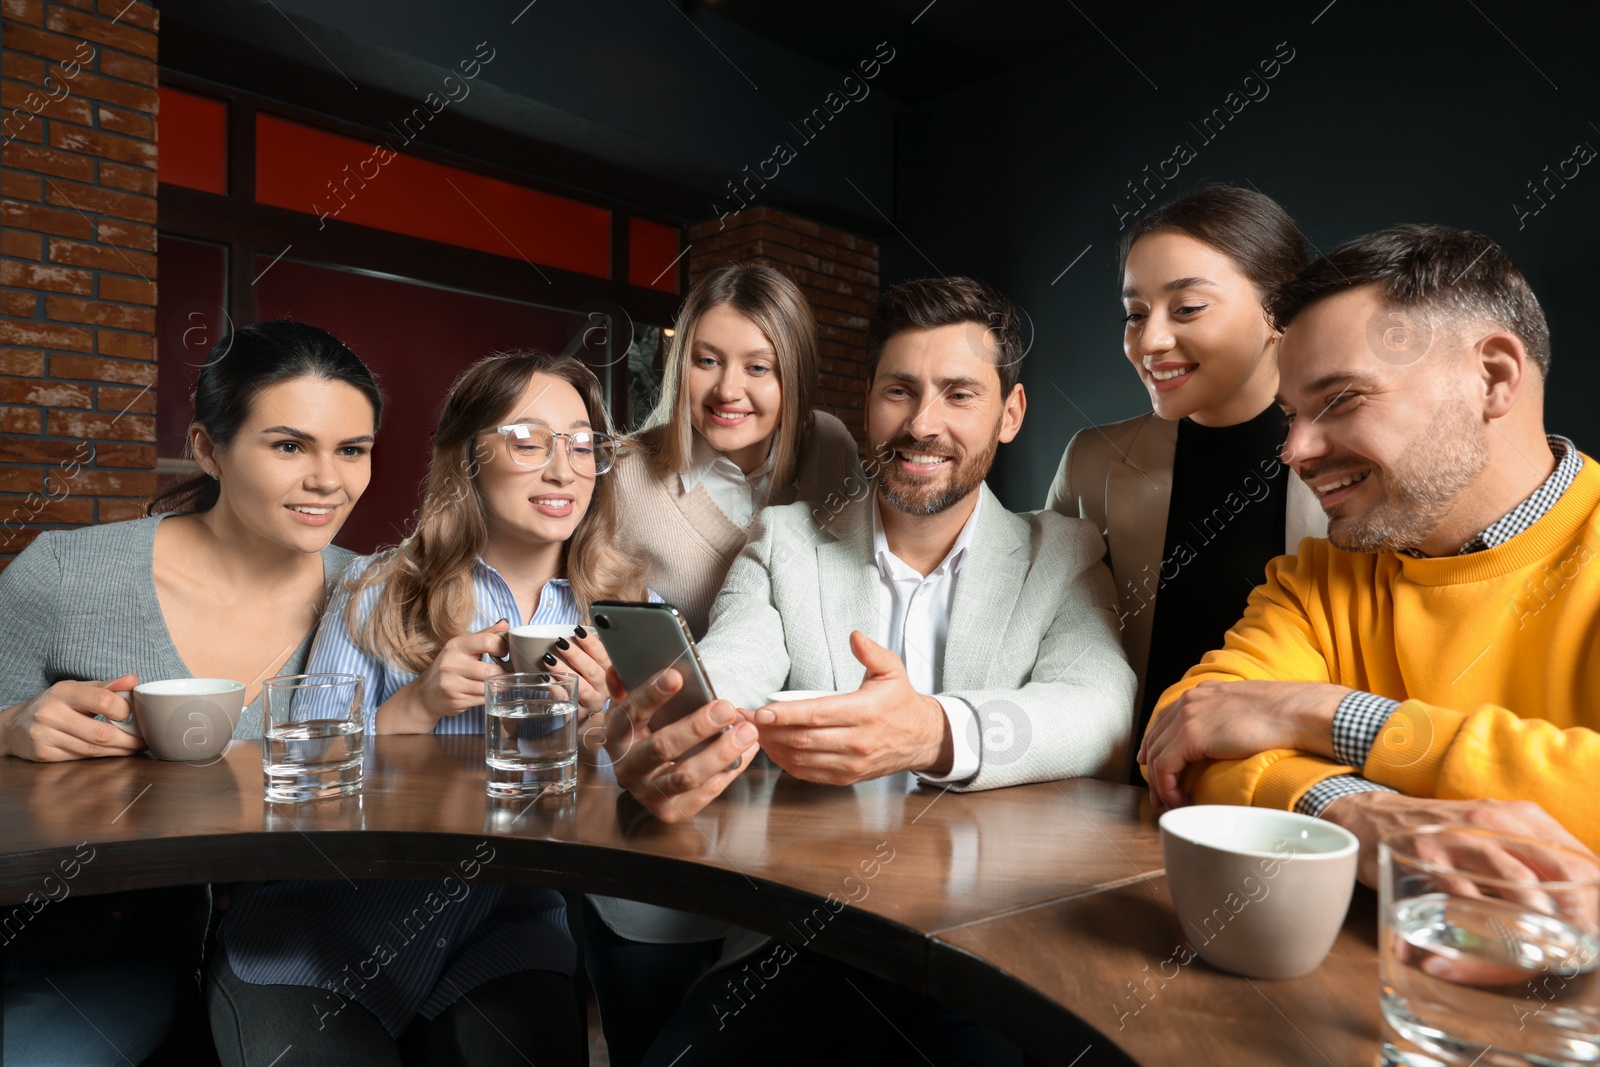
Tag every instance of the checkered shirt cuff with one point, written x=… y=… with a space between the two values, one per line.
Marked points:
x=1315 y=801
x=1356 y=724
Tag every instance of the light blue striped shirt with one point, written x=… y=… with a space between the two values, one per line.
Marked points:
x=335 y=651
x=400 y=948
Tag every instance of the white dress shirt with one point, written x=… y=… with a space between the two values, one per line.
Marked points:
x=736 y=494
x=914 y=620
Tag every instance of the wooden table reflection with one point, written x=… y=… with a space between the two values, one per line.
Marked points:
x=1040 y=909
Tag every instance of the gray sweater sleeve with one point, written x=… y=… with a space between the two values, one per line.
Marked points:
x=30 y=611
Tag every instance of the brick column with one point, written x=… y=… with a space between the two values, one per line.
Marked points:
x=77 y=264
x=837 y=271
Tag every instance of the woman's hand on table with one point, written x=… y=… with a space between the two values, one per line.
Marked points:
x=652 y=765
x=60 y=723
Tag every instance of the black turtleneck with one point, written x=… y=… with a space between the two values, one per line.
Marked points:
x=1224 y=522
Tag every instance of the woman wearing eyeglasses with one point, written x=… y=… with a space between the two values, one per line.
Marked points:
x=518 y=524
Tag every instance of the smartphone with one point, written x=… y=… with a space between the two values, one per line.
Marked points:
x=645 y=639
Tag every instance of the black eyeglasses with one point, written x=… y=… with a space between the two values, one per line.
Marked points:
x=531 y=447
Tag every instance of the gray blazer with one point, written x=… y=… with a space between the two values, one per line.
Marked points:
x=1032 y=644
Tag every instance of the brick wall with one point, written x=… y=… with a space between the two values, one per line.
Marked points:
x=837 y=271
x=77 y=264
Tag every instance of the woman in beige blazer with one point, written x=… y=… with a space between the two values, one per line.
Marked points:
x=1193 y=497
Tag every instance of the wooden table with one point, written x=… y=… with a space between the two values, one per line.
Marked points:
x=1040 y=910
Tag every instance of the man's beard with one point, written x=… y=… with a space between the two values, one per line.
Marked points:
x=931 y=494
x=1417 y=494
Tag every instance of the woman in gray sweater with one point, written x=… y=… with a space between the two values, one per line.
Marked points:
x=226 y=579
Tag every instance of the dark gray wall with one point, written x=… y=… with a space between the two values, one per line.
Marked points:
x=693 y=100
x=1387 y=113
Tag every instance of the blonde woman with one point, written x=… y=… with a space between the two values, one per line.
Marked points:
x=517 y=525
x=734 y=431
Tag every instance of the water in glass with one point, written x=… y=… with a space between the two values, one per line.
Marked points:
x=1477 y=974
x=530 y=727
x=314 y=732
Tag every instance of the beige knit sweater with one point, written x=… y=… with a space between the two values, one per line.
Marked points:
x=688 y=544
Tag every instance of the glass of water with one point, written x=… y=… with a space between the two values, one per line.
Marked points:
x=530 y=730
x=1488 y=949
x=314 y=725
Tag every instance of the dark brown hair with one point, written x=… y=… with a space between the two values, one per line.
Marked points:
x=238 y=367
x=928 y=303
x=1248 y=227
x=1459 y=275
x=426 y=597
x=775 y=304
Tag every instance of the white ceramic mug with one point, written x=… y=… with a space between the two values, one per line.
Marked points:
x=798 y=694
x=530 y=644
x=1258 y=892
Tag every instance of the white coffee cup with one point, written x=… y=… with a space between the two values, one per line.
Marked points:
x=530 y=644
x=1258 y=892
x=798 y=694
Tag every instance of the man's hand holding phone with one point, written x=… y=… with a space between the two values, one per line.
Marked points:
x=657 y=766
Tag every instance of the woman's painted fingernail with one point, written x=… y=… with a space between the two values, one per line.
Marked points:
x=549 y=660
x=582 y=632
x=497 y=622
x=561 y=643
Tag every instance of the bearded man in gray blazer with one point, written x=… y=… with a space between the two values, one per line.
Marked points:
x=971 y=645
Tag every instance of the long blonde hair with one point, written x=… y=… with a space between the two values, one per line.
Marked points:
x=778 y=308
x=427 y=596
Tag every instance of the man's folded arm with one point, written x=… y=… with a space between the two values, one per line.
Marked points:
x=1424 y=750
x=1411 y=746
x=1276 y=640
x=1356 y=725
x=1316 y=800
x=1490 y=752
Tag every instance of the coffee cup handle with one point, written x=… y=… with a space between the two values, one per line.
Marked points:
x=127 y=726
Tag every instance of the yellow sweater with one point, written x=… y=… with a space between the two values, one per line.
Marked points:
x=1489 y=652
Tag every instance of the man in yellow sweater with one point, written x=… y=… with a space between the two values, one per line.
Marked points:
x=1431 y=663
